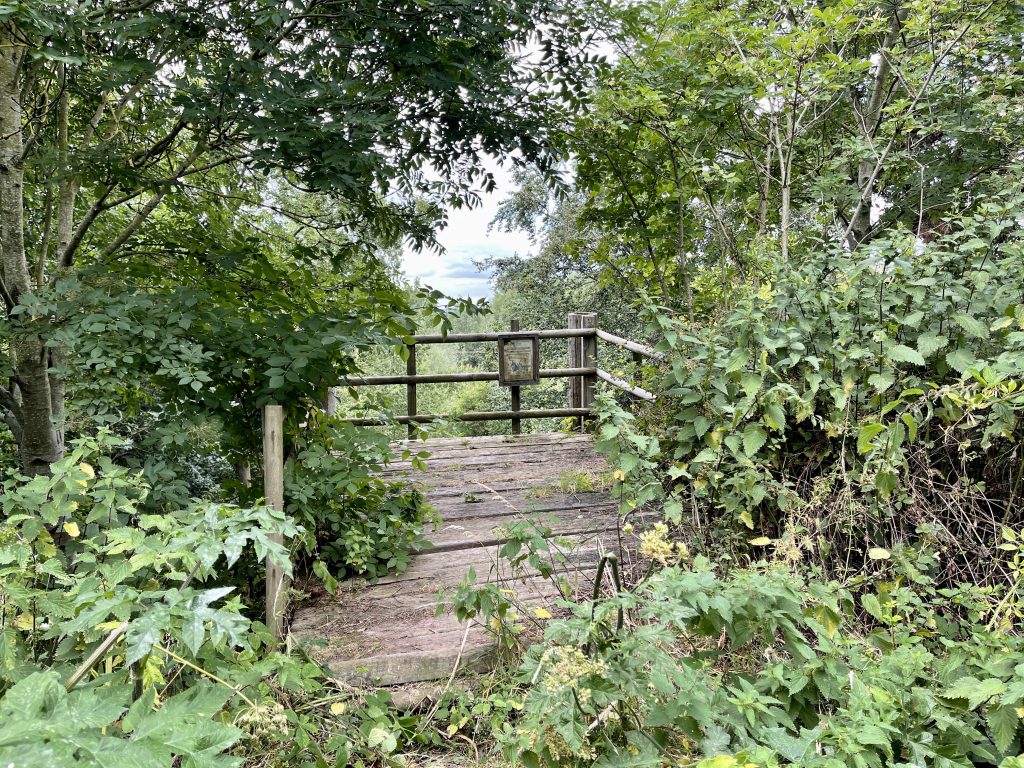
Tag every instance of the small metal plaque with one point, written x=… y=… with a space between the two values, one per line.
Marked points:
x=518 y=360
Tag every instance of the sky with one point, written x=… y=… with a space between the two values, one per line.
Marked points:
x=464 y=239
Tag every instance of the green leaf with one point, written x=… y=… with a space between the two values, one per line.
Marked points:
x=972 y=325
x=754 y=438
x=1002 y=723
x=873 y=607
x=904 y=354
x=383 y=739
x=881 y=381
x=737 y=360
x=867 y=435
x=961 y=359
x=930 y=343
x=976 y=691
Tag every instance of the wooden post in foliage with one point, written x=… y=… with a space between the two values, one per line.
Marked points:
x=517 y=423
x=273 y=490
x=410 y=390
x=582 y=354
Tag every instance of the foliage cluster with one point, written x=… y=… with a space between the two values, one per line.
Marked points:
x=83 y=568
x=769 y=667
x=829 y=395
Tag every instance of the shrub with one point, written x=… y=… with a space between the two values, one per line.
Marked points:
x=110 y=619
x=764 y=667
x=848 y=389
x=356 y=520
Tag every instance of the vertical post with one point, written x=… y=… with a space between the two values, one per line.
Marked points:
x=582 y=354
x=517 y=423
x=410 y=389
x=588 y=346
x=273 y=490
x=575 y=361
x=331 y=402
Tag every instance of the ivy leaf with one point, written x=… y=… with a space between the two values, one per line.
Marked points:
x=901 y=353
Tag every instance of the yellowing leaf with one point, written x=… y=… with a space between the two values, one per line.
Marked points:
x=71 y=529
x=24 y=621
x=760 y=541
x=877 y=553
x=746 y=519
x=542 y=613
x=618 y=474
x=337 y=708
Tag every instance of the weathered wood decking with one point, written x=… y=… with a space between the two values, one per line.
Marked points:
x=387 y=633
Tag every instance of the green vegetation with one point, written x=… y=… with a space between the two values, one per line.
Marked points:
x=813 y=210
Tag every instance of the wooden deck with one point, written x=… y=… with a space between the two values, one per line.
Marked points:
x=388 y=634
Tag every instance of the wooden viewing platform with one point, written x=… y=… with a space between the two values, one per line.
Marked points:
x=387 y=633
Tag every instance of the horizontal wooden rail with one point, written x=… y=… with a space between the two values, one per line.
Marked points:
x=459 y=338
x=448 y=378
x=632 y=346
x=638 y=392
x=423 y=418
x=582 y=373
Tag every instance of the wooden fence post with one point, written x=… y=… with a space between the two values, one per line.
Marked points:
x=517 y=424
x=273 y=491
x=410 y=390
x=582 y=354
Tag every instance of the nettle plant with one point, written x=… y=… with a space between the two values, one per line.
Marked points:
x=112 y=620
x=848 y=364
x=764 y=667
x=356 y=521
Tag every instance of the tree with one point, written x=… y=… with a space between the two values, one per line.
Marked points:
x=109 y=112
x=730 y=132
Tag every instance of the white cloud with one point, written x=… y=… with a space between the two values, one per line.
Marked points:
x=464 y=239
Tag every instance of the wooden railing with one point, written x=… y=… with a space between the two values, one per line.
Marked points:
x=582 y=372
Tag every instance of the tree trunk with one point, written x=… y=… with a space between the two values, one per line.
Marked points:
x=30 y=357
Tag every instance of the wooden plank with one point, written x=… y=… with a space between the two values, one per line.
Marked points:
x=465 y=442
x=459 y=509
x=566 y=456
x=410 y=389
x=426 y=418
x=456 y=378
x=462 y=338
x=463 y=534
x=580 y=549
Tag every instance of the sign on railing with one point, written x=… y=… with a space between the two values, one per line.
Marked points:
x=518 y=360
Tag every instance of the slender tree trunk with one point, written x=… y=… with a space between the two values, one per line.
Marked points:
x=30 y=357
x=870 y=119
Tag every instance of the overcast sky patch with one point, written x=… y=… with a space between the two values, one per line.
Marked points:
x=466 y=239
